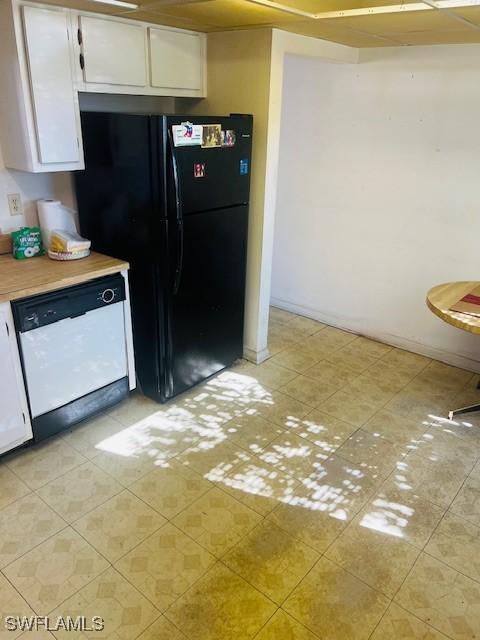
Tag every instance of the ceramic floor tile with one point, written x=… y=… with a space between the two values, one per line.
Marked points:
x=281 y=338
x=317 y=346
x=87 y=437
x=370 y=452
x=295 y=360
x=213 y=460
x=294 y=456
x=23 y=525
x=382 y=371
x=380 y=391
x=465 y=427
x=308 y=326
x=335 y=338
x=350 y=407
x=126 y=613
x=437 y=445
x=118 y=525
x=395 y=428
x=151 y=442
x=270 y=374
x=437 y=376
x=11 y=604
x=252 y=432
x=162 y=629
x=165 y=565
x=398 y=624
x=443 y=597
x=335 y=604
x=352 y=358
x=467 y=502
x=44 y=462
x=411 y=362
x=456 y=542
x=301 y=520
x=271 y=560
x=438 y=482
x=11 y=487
x=281 y=626
x=340 y=488
x=259 y=485
x=309 y=390
x=217 y=521
x=324 y=430
x=370 y=347
x=419 y=405
x=281 y=315
x=79 y=491
x=221 y=606
x=281 y=409
x=401 y=514
x=378 y=558
x=170 y=489
x=134 y=409
x=55 y=570
x=328 y=373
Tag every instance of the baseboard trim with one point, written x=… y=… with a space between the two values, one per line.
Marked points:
x=257 y=357
x=431 y=351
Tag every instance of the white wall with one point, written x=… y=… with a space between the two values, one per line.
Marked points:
x=31 y=187
x=379 y=192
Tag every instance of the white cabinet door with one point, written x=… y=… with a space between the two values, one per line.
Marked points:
x=51 y=80
x=176 y=59
x=114 y=52
x=14 y=422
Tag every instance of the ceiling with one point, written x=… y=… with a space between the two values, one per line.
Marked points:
x=358 y=23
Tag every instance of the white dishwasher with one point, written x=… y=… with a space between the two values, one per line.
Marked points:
x=74 y=352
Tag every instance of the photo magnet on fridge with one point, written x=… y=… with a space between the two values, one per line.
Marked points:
x=199 y=170
x=187 y=134
x=212 y=136
x=228 y=138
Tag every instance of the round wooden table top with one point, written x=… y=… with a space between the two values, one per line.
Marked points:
x=443 y=296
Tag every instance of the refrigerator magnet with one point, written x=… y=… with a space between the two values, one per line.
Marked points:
x=211 y=135
x=244 y=167
x=187 y=134
x=228 y=138
x=198 y=169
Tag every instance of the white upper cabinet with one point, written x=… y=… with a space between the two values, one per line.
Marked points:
x=39 y=112
x=14 y=419
x=48 y=54
x=51 y=80
x=176 y=59
x=114 y=52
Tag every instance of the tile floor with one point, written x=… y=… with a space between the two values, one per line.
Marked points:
x=320 y=495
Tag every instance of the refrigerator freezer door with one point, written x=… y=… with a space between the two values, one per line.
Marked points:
x=206 y=313
x=216 y=177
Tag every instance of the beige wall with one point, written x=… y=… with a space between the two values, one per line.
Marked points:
x=245 y=75
x=238 y=81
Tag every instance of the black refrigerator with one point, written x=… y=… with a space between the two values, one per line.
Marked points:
x=170 y=194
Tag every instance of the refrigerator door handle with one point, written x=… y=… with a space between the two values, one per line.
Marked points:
x=178 y=218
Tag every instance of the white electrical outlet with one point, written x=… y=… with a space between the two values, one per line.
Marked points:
x=15 y=204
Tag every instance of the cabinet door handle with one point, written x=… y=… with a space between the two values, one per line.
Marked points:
x=82 y=61
x=79 y=36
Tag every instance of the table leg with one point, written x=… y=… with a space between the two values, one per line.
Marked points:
x=458 y=412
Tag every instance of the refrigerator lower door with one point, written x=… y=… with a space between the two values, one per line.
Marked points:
x=206 y=313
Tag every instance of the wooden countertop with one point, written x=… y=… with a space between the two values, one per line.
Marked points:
x=443 y=296
x=22 y=278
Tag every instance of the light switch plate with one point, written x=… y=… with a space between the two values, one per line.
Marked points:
x=15 y=204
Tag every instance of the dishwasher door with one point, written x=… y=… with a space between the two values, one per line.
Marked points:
x=72 y=357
